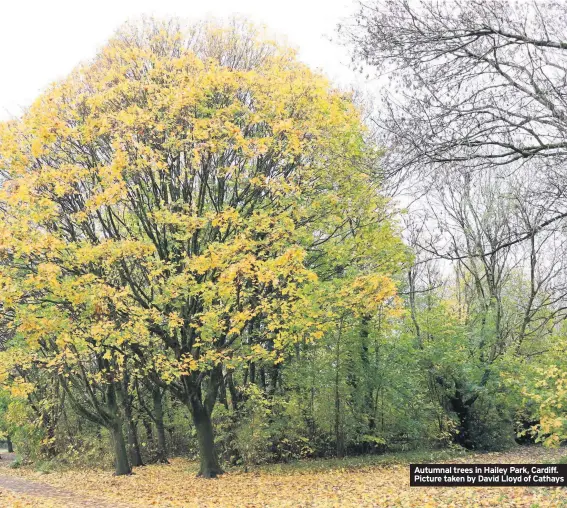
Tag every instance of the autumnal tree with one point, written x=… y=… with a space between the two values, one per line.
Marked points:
x=164 y=210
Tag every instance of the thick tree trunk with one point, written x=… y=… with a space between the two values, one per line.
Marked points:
x=158 y=415
x=114 y=423
x=121 y=464
x=210 y=467
x=10 y=445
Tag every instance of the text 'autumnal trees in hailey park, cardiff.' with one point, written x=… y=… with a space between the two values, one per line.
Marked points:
x=188 y=201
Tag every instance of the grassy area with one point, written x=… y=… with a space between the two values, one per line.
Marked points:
x=302 y=466
x=361 y=461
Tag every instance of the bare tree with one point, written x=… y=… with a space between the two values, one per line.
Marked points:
x=472 y=83
x=482 y=80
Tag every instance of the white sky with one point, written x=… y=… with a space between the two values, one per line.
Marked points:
x=42 y=40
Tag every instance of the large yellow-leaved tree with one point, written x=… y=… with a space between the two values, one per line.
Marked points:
x=165 y=211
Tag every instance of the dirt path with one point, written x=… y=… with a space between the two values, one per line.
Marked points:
x=16 y=491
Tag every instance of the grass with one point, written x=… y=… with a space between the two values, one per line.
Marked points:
x=360 y=461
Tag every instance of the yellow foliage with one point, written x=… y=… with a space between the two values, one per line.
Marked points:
x=165 y=196
x=175 y=485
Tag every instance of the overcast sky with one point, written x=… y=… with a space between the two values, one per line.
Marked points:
x=42 y=40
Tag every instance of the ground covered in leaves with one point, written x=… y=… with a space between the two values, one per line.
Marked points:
x=371 y=481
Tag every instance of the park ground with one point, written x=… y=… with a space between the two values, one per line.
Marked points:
x=364 y=481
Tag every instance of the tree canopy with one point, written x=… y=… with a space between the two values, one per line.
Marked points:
x=176 y=208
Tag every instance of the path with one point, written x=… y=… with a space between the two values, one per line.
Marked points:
x=14 y=489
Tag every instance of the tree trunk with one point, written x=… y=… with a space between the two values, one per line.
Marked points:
x=146 y=422
x=222 y=394
x=338 y=434
x=48 y=448
x=463 y=412
x=133 y=442
x=210 y=467
x=10 y=445
x=121 y=464
x=114 y=423
x=158 y=415
x=233 y=392
x=131 y=426
x=272 y=380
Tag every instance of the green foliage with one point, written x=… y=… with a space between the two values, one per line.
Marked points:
x=26 y=432
x=252 y=434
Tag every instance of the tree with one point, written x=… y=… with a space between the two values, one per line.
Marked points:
x=475 y=84
x=165 y=207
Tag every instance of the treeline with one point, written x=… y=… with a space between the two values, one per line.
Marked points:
x=197 y=257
